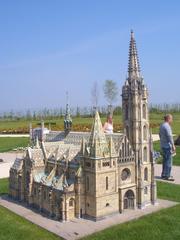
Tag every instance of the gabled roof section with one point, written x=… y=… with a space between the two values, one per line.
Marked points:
x=17 y=165
x=97 y=144
x=36 y=156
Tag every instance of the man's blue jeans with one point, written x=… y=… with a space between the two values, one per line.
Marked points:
x=167 y=162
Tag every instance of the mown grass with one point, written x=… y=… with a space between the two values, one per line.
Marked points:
x=157 y=118
x=9 y=143
x=14 y=227
x=163 y=225
x=168 y=191
x=4 y=184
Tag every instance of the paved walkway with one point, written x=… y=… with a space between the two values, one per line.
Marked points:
x=154 y=136
x=175 y=173
x=14 y=135
x=8 y=159
x=78 y=228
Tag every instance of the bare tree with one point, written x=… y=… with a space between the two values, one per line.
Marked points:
x=110 y=93
x=95 y=94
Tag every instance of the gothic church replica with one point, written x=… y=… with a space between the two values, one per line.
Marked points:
x=91 y=175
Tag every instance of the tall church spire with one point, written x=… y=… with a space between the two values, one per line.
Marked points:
x=67 y=117
x=133 y=66
x=136 y=122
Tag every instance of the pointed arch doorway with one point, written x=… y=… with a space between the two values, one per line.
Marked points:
x=129 y=200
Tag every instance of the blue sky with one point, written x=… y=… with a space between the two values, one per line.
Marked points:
x=50 y=46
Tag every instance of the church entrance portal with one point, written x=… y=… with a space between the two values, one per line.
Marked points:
x=129 y=200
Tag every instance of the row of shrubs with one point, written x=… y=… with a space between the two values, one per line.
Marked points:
x=75 y=127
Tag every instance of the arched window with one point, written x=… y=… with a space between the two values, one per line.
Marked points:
x=145 y=132
x=122 y=149
x=144 y=111
x=126 y=112
x=145 y=174
x=71 y=202
x=145 y=154
x=120 y=153
x=107 y=183
x=128 y=150
x=127 y=132
x=44 y=195
x=87 y=183
x=146 y=190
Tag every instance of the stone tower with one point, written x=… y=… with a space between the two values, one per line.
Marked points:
x=100 y=171
x=136 y=125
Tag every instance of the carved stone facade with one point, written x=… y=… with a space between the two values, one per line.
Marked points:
x=92 y=175
x=136 y=124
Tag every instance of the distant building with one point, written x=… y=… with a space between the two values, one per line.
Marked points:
x=92 y=175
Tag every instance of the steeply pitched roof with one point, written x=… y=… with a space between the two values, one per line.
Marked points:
x=17 y=165
x=133 y=66
x=97 y=144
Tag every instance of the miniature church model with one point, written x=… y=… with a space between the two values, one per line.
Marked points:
x=91 y=175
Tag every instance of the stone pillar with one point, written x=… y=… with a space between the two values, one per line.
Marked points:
x=50 y=203
x=63 y=211
x=78 y=198
x=153 y=186
x=30 y=198
x=40 y=197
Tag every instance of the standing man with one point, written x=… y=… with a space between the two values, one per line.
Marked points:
x=167 y=146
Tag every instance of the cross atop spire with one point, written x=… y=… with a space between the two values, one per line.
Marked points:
x=133 y=66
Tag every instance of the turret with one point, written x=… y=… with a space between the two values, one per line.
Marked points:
x=67 y=118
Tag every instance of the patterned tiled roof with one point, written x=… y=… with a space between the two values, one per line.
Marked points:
x=17 y=165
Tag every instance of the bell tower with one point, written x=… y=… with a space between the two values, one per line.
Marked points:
x=100 y=173
x=136 y=125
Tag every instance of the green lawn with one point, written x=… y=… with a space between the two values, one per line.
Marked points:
x=14 y=227
x=163 y=225
x=9 y=143
x=157 y=118
x=176 y=159
x=4 y=183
